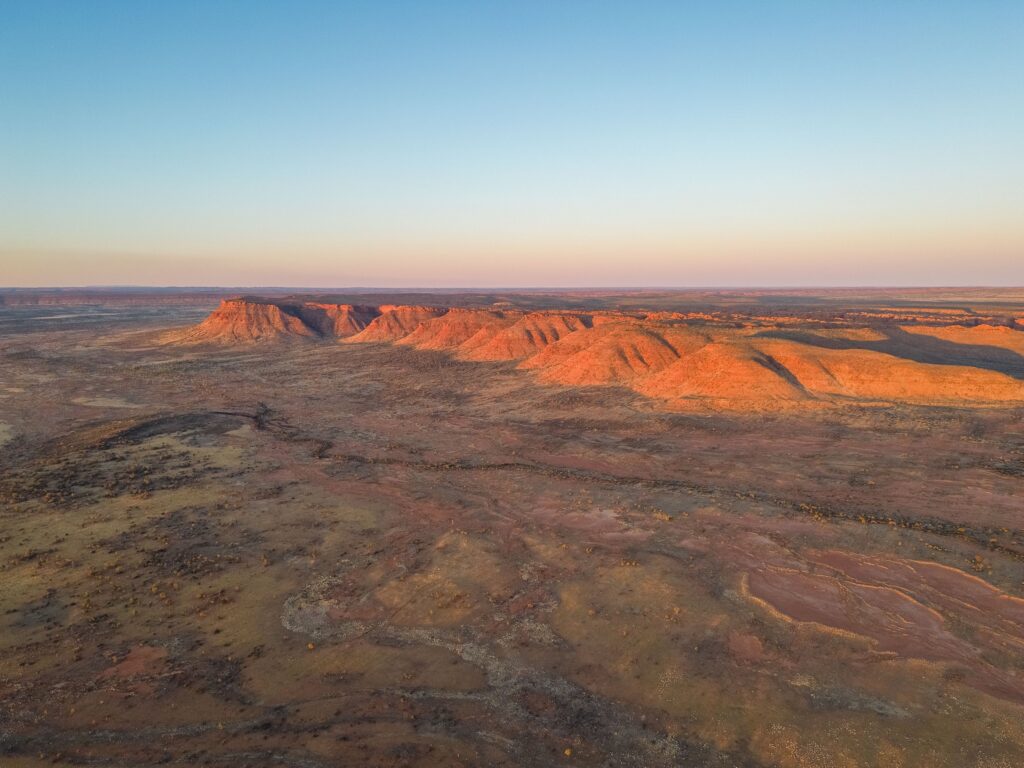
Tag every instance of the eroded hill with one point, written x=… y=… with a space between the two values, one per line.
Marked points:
x=684 y=360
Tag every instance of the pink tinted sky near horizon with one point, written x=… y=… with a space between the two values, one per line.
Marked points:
x=458 y=144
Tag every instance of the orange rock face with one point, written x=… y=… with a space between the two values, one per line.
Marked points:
x=337 y=319
x=246 y=321
x=608 y=353
x=869 y=375
x=725 y=374
x=393 y=323
x=685 y=362
x=1000 y=336
x=525 y=337
x=456 y=327
x=241 y=320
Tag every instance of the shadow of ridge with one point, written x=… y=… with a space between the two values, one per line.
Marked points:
x=780 y=370
x=919 y=348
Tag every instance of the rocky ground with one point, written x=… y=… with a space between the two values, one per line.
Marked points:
x=328 y=554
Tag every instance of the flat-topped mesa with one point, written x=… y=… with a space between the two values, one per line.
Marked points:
x=246 y=320
x=685 y=362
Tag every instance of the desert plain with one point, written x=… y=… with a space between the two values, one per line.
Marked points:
x=593 y=528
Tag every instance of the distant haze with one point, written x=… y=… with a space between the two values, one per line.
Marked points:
x=519 y=144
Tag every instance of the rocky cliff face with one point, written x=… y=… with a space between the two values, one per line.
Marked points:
x=337 y=320
x=396 y=322
x=252 y=320
x=246 y=321
x=685 y=362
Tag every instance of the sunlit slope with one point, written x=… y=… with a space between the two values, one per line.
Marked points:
x=684 y=363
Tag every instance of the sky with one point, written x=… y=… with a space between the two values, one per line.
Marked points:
x=513 y=144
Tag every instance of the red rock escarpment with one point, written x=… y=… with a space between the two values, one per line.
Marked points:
x=394 y=323
x=338 y=320
x=683 y=362
x=241 y=320
x=246 y=321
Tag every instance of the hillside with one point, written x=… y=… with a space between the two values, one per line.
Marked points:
x=684 y=361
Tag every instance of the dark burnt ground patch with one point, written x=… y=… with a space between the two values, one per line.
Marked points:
x=105 y=460
x=85 y=478
x=107 y=433
x=190 y=542
x=194 y=427
x=48 y=611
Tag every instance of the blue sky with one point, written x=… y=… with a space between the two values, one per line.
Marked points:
x=486 y=143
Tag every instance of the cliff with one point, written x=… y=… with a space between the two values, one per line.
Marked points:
x=684 y=362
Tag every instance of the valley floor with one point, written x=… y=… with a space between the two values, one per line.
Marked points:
x=331 y=554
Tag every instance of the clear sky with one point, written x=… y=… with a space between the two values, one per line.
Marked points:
x=485 y=143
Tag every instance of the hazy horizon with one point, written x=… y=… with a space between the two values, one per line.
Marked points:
x=568 y=289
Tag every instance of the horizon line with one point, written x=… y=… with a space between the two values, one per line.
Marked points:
x=507 y=288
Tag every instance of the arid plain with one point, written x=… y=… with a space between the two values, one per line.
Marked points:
x=592 y=528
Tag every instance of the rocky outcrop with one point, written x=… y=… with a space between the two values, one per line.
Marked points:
x=244 y=320
x=394 y=323
x=337 y=320
x=607 y=353
x=525 y=337
x=682 y=361
x=457 y=327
